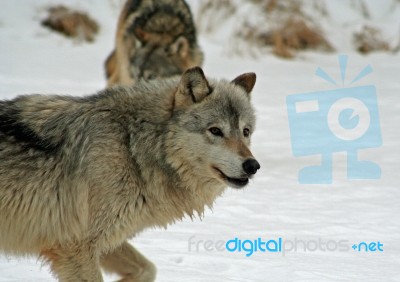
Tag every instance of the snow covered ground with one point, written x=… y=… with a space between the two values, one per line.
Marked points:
x=275 y=205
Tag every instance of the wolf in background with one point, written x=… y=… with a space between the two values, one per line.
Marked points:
x=154 y=38
x=81 y=175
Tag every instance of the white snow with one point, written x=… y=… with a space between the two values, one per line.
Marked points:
x=35 y=60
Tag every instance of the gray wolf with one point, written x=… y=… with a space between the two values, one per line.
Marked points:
x=81 y=175
x=154 y=38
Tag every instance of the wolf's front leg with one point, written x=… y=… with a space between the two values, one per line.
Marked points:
x=77 y=263
x=131 y=265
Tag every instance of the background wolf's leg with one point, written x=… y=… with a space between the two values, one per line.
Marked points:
x=129 y=263
x=74 y=264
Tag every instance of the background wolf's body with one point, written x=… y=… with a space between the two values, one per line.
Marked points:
x=154 y=38
x=78 y=176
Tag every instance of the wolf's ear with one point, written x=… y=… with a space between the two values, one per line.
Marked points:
x=193 y=88
x=246 y=81
x=180 y=47
x=111 y=64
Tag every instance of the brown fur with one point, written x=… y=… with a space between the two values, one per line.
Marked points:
x=154 y=39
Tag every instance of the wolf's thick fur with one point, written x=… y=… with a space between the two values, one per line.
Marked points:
x=80 y=175
x=154 y=38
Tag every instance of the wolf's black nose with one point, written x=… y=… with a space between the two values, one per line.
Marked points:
x=251 y=166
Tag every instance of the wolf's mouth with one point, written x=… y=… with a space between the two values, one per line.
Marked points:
x=233 y=182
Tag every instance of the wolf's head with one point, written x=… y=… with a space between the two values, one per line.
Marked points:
x=215 y=121
x=158 y=59
x=155 y=58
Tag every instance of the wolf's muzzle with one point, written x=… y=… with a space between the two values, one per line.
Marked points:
x=251 y=166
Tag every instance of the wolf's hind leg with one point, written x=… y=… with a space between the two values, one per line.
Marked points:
x=131 y=265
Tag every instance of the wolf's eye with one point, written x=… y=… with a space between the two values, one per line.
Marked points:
x=216 y=131
x=148 y=75
x=246 y=132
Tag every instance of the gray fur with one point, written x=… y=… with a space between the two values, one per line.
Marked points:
x=81 y=175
